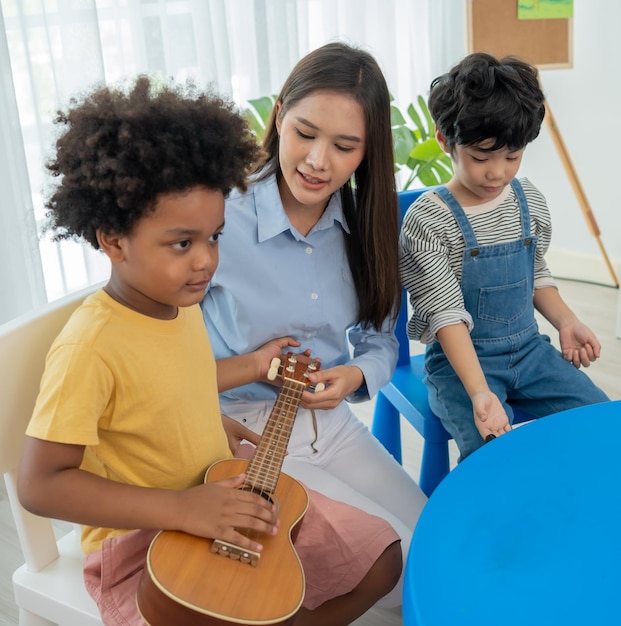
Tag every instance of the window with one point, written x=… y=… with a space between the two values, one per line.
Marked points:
x=245 y=48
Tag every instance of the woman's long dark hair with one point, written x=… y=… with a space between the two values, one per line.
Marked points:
x=372 y=216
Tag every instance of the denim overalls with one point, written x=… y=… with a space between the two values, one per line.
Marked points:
x=519 y=363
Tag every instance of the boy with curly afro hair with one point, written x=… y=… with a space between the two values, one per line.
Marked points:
x=121 y=151
x=127 y=419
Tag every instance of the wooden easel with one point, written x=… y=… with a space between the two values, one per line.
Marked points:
x=577 y=187
x=493 y=27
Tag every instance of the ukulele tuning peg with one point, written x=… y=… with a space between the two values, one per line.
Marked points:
x=272 y=372
x=292 y=362
x=320 y=387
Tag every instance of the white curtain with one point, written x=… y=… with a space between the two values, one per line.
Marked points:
x=53 y=49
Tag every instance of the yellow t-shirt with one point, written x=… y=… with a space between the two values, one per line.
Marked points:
x=138 y=392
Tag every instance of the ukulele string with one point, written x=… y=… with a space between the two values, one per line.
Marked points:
x=269 y=456
x=272 y=448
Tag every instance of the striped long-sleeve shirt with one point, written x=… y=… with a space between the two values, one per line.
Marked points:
x=432 y=247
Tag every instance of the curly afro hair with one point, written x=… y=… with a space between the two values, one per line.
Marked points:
x=119 y=150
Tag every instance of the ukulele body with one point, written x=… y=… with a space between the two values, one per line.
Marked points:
x=192 y=581
x=184 y=582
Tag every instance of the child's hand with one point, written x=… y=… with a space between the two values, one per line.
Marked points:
x=237 y=432
x=489 y=415
x=274 y=348
x=579 y=345
x=216 y=509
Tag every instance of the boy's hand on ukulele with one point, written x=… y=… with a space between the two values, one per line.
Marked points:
x=270 y=350
x=236 y=433
x=489 y=415
x=216 y=509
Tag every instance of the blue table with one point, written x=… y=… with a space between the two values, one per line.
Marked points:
x=526 y=531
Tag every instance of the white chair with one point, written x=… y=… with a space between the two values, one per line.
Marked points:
x=49 y=587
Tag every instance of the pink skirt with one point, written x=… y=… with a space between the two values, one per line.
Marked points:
x=337 y=545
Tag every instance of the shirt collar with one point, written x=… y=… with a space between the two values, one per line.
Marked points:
x=272 y=219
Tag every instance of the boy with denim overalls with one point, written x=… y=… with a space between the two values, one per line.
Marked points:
x=472 y=260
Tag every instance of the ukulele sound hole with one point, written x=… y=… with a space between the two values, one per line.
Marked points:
x=264 y=494
x=258 y=491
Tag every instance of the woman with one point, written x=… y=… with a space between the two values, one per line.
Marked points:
x=309 y=261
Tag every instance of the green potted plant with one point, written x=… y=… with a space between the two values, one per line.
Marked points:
x=417 y=153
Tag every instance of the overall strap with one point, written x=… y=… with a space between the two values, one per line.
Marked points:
x=524 y=212
x=460 y=216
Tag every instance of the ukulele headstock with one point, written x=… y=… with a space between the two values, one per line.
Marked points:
x=295 y=367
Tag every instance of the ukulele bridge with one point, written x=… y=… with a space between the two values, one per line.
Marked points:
x=235 y=553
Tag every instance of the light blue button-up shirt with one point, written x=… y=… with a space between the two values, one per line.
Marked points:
x=272 y=282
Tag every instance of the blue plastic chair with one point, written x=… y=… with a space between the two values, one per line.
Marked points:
x=406 y=395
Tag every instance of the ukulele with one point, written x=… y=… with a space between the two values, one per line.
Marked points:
x=192 y=580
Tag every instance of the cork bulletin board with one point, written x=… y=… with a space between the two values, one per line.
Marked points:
x=493 y=26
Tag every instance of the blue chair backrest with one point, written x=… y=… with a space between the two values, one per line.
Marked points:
x=406 y=198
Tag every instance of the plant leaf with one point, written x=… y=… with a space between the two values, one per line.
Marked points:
x=396 y=117
x=258 y=113
x=422 y=105
x=428 y=150
x=256 y=126
x=427 y=175
x=418 y=122
x=403 y=143
x=263 y=106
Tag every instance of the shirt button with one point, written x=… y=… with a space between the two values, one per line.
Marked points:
x=309 y=250
x=314 y=296
x=309 y=335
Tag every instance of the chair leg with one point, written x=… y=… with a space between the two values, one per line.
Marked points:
x=386 y=425
x=434 y=465
x=26 y=618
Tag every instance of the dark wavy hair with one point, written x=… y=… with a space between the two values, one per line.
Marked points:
x=372 y=245
x=120 y=149
x=483 y=97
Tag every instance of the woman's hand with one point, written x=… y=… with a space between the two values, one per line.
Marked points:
x=339 y=381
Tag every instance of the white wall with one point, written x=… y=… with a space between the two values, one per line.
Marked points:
x=586 y=103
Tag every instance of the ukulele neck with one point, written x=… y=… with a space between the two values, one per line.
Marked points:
x=264 y=468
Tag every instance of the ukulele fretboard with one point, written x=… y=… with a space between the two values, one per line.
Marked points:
x=264 y=469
